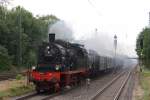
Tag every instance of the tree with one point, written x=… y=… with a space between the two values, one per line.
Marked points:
x=146 y=43
x=5 y=59
x=143 y=46
x=139 y=45
x=4 y=2
x=21 y=33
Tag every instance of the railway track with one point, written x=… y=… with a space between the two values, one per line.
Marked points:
x=6 y=76
x=114 y=88
x=35 y=96
x=81 y=92
x=42 y=96
x=65 y=95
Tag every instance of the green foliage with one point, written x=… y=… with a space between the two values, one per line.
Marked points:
x=21 y=33
x=16 y=91
x=143 y=46
x=139 y=45
x=5 y=61
x=19 y=77
x=146 y=43
x=144 y=82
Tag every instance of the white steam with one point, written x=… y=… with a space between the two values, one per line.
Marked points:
x=103 y=43
x=62 y=31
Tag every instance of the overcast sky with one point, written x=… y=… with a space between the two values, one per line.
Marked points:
x=125 y=18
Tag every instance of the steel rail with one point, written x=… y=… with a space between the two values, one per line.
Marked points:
x=27 y=96
x=106 y=86
x=122 y=87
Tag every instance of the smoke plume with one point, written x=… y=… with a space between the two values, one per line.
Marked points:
x=62 y=31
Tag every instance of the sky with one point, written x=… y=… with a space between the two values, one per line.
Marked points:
x=125 y=18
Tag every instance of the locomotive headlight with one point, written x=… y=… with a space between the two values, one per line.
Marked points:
x=47 y=47
x=33 y=67
x=57 y=67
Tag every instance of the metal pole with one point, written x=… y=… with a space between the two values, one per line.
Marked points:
x=115 y=47
x=149 y=20
x=28 y=73
x=115 y=44
x=20 y=38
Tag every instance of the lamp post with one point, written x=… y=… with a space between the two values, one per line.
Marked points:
x=115 y=48
x=115 y=44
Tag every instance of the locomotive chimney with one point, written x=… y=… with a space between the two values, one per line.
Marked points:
x=51 y=37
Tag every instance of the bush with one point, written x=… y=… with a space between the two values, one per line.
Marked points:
x=19 y=77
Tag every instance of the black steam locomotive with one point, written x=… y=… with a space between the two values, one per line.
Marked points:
x=62 y=63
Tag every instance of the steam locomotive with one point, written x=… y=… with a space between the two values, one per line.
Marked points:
x=61 y=64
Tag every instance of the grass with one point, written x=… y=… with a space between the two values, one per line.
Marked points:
x=17 y=87
x=145 y=83
x=15 y=91
x=19 y=77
